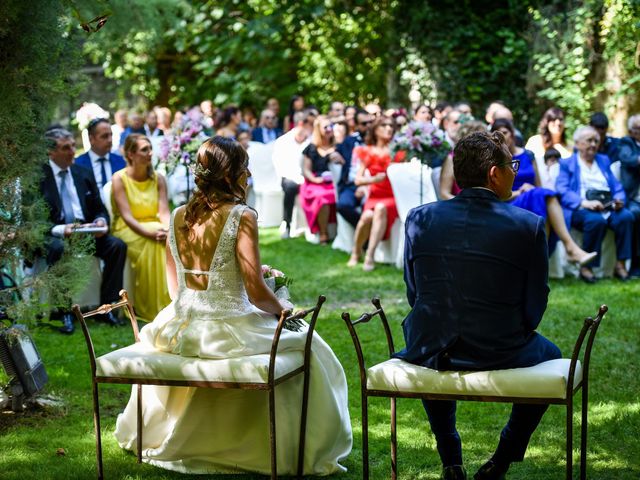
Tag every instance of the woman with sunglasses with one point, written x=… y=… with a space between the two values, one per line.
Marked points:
x=528 y=194
x=317 y=193
x=141 y=220
x=379 y=211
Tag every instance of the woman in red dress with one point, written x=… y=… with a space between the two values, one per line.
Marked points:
x=379 y=211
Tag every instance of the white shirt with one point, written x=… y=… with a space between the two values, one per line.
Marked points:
x=287 y=156
x=591 y=177
x=97 y=170
x=58 y=230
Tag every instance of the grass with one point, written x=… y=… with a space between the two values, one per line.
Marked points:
x=29 y=442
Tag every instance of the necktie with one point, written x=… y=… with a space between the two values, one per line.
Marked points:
x=65 y=196
x=103 y=172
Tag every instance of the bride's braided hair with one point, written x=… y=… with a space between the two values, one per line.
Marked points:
x=220 y=164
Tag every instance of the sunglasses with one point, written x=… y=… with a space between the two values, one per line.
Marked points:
x=364 y=124
x=386 y=125
x=328 y=127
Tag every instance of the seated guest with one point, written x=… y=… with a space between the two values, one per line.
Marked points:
x=503 y=112
x=629 y=156
x=274 y=105
x=593 y=200
x=608 y=145
x=551 y=162
x=228 y=122
x=379 y=211
x=477 y=298
x=120 y=119
x=141 y=220
x=151 y=127
x=448 y=186
x=287 y=160
x=268 y=130
x=296 y=104
x=351 y=197
x=551 y=134
x=136 y=125
x=72 y=196
x=336 y=110
x=528 y=194
x=317 y=193
x=100 y=161
x=350 y=117
x=440 y=111
x=423 y=113
x=164 y=119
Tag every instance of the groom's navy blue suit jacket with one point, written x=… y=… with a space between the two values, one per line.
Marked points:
x=476 y=272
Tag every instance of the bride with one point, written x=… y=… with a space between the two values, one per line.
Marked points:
x=222 y=308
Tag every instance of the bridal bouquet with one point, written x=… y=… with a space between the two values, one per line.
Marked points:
x=181 y=147
x=279 y=283
x=420 y=140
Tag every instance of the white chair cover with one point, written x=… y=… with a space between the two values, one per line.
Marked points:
x=266 y=184
x=405 y=182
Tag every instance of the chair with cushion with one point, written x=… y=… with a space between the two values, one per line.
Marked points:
x=139 y=365
x=545 y=383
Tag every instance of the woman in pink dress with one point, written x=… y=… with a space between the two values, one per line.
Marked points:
x=317 y=193
x=379 y=211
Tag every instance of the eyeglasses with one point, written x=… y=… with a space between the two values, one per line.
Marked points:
x=386 y=125
x=328 y=127
x=515 y=165
x=364 y=124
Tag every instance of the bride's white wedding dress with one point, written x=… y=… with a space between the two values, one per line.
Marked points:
x=195 y=430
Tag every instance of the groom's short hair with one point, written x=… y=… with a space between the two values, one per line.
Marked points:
x=475 y=154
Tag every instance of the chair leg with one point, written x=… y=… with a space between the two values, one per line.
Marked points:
x=365 y=438
x=96 y=425
x=303 y=425
x=394 y=441
x=139 y=415
x=569 y=438
x=583 y=432
x=272 y=432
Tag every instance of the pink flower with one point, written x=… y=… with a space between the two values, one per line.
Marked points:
x=266 y=271
x=277 y=273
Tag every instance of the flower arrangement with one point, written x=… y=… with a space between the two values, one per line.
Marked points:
x=181 y=147
x=278 y=278
x=420 y=140
x=87 y=112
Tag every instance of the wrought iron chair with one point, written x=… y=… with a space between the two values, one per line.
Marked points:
x=135 y=366
x=546 y=383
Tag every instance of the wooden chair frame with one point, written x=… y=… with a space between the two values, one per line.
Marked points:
x=588 y=332
x=269 y=386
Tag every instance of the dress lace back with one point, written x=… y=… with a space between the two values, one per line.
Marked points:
x=225 y=289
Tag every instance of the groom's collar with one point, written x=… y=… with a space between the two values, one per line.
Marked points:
x=478 y=192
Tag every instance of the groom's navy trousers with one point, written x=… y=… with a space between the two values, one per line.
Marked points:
x=476 y=271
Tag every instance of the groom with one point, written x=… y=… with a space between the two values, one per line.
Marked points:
x=476 y=274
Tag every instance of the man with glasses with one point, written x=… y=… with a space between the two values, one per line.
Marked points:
x=267 y=131
x=72 y=196
x=100 y=161
x=476 y=274
x=349 y=205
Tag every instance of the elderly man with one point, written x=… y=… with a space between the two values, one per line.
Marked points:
x=476 y=275
x=101 y=162
x=72 y=196
x=629 y=156
x=593 y=200
x=287 y=160
x=267 y=131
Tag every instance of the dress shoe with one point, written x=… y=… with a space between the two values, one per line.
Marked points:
x=67 y=324
x=454 y=472
x=492 y=471
x=621 y=275
x=110 y=319
x=590 y=278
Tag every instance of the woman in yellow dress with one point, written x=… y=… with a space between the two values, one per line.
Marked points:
x=141 y=220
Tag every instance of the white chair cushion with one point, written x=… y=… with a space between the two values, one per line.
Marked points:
x=545 y=380
x=140 y=361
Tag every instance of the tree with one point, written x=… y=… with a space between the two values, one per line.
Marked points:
x=38 y=60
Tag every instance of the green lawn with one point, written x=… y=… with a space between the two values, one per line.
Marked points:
x=29 y=443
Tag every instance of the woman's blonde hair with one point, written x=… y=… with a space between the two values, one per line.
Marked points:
x=220 y=164
x=316 y=137
x=131 y=147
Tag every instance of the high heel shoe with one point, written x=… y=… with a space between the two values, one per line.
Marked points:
x=353 y=261
x=590 y=279
x=621 y=274
x=585 y=260
x=368 y=265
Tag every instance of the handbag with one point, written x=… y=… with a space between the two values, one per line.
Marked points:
x=603 y=196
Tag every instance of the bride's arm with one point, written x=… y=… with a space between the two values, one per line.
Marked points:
x=251 y=268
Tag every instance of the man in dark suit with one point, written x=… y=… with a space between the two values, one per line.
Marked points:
x=73 y=197
x=476 y=274
x=349 y=204
x=100 y=160
x=267 y=131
